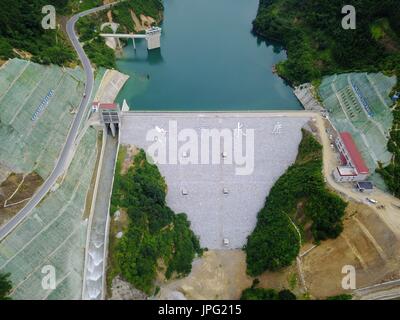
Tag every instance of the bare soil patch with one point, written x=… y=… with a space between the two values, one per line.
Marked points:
x=15 y=191
x=366 y=243
x=131 y=151
x=219 y=274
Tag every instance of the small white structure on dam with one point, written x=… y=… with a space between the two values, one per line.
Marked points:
x=152 y=36
x=221 y=199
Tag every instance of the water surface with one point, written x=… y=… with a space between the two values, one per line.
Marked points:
x=209 y=60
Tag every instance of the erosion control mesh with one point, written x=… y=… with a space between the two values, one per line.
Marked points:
x=53 y=235
x=37 y=105
x=360 y=103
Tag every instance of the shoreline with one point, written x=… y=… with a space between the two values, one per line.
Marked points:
x=111 y=85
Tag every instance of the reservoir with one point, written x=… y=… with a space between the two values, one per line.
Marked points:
x=209 y=60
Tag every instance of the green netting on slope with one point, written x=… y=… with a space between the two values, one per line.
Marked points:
x=383 y=84
x=9 y=72
x=29 y=145
x=348 y=114
x=325 y=89
x=17 y=97
x=54 y=234
x=97 y=81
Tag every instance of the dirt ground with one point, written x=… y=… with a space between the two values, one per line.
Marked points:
x=14 y=192
x=219 y=274
x=366 y=243
x=143 y=22
x=122 y=290
x=131 y=151
x=23 y=54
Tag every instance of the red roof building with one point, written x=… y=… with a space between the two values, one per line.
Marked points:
x=350 y=157
x=352 y=150
x=108 y=106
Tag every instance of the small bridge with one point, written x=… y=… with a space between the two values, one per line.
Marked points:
x=152 y=37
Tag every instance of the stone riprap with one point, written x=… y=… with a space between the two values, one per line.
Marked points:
x=214 y=215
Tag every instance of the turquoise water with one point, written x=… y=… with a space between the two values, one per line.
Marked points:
x=209 y=60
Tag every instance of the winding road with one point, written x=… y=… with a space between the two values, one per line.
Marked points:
x=68 y=147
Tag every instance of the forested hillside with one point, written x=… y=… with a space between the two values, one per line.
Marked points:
x=391 y=173
x=156 y=240
x=317 y=44
x=298 y=197
x=5 y=286
x=20 y=28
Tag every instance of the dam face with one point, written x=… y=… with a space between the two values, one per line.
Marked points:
x=221 y=197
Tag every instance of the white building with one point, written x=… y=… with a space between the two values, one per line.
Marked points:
x=345 y=174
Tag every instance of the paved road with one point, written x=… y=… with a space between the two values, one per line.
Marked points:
x=383 y=291
x=69 y=143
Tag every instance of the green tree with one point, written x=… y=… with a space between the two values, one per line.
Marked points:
x=340 y=297
x=5 y=286
x=259 y=294
x=286 y=295
x=275 y=242
x=155 y=235
x=317 y=44
x=266 y=294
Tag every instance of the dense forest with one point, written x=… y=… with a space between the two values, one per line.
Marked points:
x=5 y=286
x=157 y=239
x=299 y=196
x=391 y=173
x=254 y=293
x=317 y=45
x=21 y=29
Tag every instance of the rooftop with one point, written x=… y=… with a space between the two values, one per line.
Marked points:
x=354 y=154
x=106 y=106
x=346 y=171
x=367 y=185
